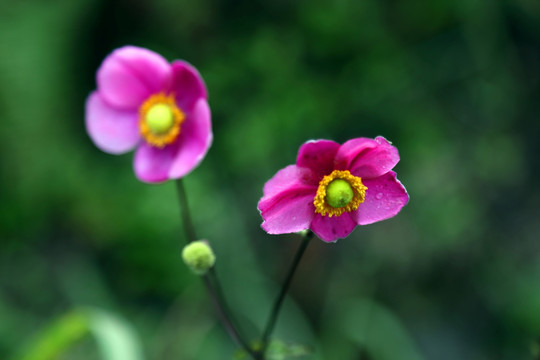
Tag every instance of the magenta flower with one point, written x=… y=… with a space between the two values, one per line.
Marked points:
x=333 y=188
x=161 y=109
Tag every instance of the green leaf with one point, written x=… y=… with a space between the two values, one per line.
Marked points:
x=378 y=331
x=115 y=338
x=58 y=337
x=279 y=350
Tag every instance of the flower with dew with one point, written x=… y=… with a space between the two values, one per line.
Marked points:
x=159 y=108
x=333 y=188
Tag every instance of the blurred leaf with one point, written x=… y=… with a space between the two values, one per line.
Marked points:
x=535 y=349
x=377 y=331
x=280 y=350
x=55 y=339
x=115 y=338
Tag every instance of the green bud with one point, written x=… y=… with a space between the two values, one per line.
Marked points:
x=339 y=193
x=199 y=256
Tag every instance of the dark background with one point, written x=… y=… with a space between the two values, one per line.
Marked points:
x=453 y=84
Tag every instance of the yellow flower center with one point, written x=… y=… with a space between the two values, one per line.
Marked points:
x=339 y=192
x=160 y=120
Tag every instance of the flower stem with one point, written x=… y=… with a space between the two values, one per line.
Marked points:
x=184 y=212
x=284 y=288
x=210 y=279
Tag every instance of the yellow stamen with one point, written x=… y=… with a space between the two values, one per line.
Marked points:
x=160 y=120
x=339 y=193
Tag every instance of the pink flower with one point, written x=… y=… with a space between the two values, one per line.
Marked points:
x=333 y=188
x=161 y=109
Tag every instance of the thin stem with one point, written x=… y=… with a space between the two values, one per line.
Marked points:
x=210 y=279
x=284 y=288
x=223 y=314
x=184 y=212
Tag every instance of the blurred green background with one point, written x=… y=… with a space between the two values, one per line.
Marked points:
x=89 y=250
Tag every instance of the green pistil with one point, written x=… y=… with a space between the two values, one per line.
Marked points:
x=339 y=193
x=159 y=119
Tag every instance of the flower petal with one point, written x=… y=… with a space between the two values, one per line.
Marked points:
x=330 y=229
x=385 y=197
x=367 y=158
x=289 y=177
x=113 y=131
x=130 y=74
x=287 y=205
x=187 y=85
x=152 y=164
x=194 y=140
x=318 y=155
x=289 y=211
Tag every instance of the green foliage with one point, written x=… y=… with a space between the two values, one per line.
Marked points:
x=454 y=85
x=377 y=331
x=116 y=339
x=280 y=350
x=58 y=337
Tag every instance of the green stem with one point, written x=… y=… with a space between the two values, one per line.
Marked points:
x=210 y=280
x=184 y=212
x=284 y=288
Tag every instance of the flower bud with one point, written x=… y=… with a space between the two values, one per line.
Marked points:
x=198 y=256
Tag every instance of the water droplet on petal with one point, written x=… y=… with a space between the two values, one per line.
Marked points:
x=379 y=196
